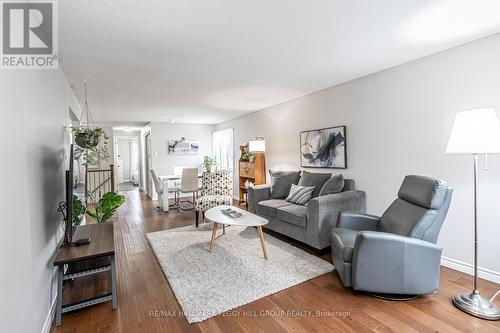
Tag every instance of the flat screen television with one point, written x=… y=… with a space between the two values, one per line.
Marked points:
x=68 y=230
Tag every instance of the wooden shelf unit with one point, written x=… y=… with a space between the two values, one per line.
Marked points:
x=254 y=172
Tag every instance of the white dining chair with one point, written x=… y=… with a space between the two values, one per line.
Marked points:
x=178 y=172
x=158 y=184
x=189 y=184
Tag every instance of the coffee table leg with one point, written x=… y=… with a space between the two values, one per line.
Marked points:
x=212 y=242
x=261 y=236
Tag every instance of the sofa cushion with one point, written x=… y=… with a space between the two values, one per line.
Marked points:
x=268 y=207
x=314 y=179
x=281 y=181
x=343 y=243
x=333 y=185
x=293 y=214
x=300 y=195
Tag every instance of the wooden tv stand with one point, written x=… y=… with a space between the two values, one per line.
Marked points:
x=78 y=261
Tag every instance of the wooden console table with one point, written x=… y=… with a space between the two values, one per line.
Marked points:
x=78 y=261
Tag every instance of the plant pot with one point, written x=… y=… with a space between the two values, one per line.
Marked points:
x=83 y=141
x=210 y=168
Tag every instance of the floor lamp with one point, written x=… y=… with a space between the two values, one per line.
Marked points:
x=475 y=132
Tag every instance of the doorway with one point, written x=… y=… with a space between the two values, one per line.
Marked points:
x=149 y=163
x=127 y=162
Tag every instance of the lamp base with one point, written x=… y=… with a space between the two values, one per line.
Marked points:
x=476 y=305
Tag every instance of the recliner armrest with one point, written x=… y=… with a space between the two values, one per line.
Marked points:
x=357 y=221
x=389 y=263
x=257 y=194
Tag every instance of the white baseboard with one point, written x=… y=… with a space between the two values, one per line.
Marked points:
x=50 y=317
x=467 y=268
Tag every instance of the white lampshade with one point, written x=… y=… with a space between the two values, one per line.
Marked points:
x=257 y=146
x=475 y=132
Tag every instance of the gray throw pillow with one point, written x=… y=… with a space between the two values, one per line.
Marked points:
x=281 y=181
x=314 y=179
x=333 y=185
x=300 y=195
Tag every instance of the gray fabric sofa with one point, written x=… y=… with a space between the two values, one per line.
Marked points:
x=309 y=224
x=396 y=253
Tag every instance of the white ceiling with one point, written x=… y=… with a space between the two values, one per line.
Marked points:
x=206 y=61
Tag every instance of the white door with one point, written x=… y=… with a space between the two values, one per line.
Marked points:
x=124 y=154
x=149 y=163
x=119 y=168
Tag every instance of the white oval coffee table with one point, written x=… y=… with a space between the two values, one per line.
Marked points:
x=246 y=219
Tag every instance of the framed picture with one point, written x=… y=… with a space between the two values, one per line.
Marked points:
x=324 y=148
x=186 y=147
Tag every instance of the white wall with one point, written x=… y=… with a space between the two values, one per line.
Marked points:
x=398 y=122
x=163 y=163
x=34 y=112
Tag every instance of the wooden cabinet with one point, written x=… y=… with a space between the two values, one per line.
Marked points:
x=247 y=169
x=254 y=172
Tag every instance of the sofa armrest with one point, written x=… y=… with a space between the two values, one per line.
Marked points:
x=323 y=211
x=357 y=221
x=394 y=264
x=257 y=194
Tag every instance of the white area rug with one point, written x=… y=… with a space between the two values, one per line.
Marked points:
x=235 y=274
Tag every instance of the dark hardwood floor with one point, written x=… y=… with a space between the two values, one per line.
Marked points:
x=147 y=304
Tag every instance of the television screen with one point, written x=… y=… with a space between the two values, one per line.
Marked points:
x=68 y=234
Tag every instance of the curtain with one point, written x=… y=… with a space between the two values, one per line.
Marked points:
x=134 y=162
x=223 y=148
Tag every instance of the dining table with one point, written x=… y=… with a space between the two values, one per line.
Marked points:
x=165 y=179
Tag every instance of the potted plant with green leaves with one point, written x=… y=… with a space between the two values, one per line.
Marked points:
x=90 y=139
x=91 y=144
x=209 y=163
x=79 y=210
x=106 y=206
x=245 y=156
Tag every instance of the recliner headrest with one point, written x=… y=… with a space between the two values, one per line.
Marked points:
x=428 y=192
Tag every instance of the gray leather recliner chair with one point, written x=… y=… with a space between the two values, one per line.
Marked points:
x=396 y=253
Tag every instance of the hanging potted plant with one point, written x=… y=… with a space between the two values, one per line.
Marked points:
x=93 y=154
x=88 y=137
x=91 y=140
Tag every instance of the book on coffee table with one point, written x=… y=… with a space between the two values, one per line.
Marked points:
x=231 y=213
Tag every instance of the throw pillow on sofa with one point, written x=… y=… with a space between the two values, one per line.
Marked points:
x=333 y=185
x=300 y=195
x=281 y=181
x=314 y=179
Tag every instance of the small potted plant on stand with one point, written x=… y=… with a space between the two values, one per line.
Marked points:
x=209 y=163
x=245 y=155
